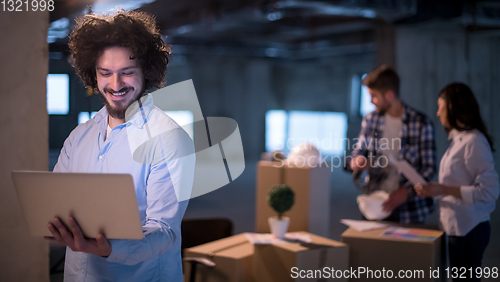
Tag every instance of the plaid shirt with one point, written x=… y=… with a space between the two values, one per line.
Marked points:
x=417 y=147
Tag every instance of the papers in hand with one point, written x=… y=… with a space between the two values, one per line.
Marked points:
x=407 y=170
x=363 y=225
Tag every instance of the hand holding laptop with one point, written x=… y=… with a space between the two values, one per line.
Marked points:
x=75 y=240
x=102 y=203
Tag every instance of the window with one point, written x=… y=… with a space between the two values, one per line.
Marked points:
x=276 y=130
x=327 y=131
x=85 y=116
x=58 y=94
x=184 y=119
x=366 y=104
x=360 y=98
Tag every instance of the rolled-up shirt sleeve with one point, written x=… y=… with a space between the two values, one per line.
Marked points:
x=479 y=163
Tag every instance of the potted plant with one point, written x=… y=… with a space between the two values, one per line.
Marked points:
x=281 y=199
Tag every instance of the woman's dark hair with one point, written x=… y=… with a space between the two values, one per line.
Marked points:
x=131 y=29
x=463 y=110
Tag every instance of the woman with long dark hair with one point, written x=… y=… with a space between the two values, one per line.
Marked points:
x=468 y=183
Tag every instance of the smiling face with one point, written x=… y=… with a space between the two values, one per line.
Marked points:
x=119 y=79
x=379 y=100
x=442 y=113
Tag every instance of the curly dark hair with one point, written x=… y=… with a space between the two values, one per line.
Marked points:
x=132 y=29
x=463 y=111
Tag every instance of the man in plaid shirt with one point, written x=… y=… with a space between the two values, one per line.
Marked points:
x=414 y=131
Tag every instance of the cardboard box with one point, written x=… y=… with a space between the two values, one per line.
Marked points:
x=311 y=186
x=274 y=263
x=233 y=258
x=371 y=251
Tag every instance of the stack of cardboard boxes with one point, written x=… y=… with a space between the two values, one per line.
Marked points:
x=239 y=260
x=323 y=259
x=361 y=256
x=312 y=196
x=416 y=259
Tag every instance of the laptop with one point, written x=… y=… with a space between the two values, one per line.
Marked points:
x=99 y=202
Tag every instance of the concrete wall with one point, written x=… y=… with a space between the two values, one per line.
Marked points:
x=430 y=56
x=23 y=137
x=243 y=88
x=246 y=88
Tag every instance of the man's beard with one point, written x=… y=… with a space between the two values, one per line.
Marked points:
x=119 y=111
x=383 y=108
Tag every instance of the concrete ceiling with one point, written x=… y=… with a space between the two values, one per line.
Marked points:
x=282 y=29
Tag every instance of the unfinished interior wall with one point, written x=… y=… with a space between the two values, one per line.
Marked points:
x=23 y=137
x=430 y=56
x=246 y=88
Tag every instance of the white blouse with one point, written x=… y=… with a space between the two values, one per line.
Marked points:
x=467 y=163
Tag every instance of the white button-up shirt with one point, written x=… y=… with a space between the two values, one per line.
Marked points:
x=468 y=163
x=170 y=171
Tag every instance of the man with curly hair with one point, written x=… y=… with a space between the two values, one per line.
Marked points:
x=121 y=56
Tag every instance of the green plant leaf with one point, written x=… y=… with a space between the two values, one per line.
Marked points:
x=281 y=199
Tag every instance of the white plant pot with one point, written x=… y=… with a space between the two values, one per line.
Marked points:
x=279 y=227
